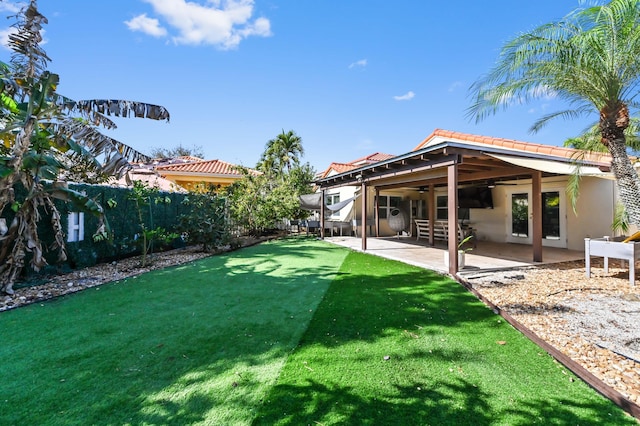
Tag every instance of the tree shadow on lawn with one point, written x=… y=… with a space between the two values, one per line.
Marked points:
x=205 y=342
x=198 y=342
x=313 y=402
x=378 y=349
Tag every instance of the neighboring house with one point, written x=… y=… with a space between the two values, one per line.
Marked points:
x=189 y=174
x=507 y=190
x=149 y=177
x=343 y=193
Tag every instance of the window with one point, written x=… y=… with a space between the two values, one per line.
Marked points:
x=386 y=204
x=551 y=215
x=75 y=228
x=333 y=199
x=442 y=209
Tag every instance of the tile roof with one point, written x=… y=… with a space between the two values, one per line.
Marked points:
x=338 y=168
x=373 y=158
x=189 y=158
x=149 y=177
x=214 y=167
x=522 y=147
x=345 y=167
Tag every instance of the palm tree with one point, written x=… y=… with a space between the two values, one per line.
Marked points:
x=43 y=134
x=589 y=59
x=283 y=152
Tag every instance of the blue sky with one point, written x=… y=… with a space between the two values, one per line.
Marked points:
x=350 y=77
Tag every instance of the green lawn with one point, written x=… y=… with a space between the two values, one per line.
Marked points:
x=291 y=332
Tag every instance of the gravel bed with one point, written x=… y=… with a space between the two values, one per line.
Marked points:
x=593 y=320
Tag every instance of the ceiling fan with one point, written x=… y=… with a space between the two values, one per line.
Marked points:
x=491 y=183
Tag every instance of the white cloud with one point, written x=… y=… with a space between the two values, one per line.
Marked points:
x=221 y=23
x=361 y=63
x=365 y=145
x=454 y=86
x=406 y=97
x=543 y=92
x=12 y=7
x=146 y=25
x=4 y=37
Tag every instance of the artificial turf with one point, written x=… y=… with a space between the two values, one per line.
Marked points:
x=393 y=344
x=197 y=344
x=291 y=332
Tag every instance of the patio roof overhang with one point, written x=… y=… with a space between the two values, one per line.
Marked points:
x=452 y=163
x=475 y=164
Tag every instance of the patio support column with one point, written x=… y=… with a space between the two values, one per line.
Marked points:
x=363 y=215
x=536 y=208
x=431 y=211
x=452 y=207
x=322 y=214
x=376 y=210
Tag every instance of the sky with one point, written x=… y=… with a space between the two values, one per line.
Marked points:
x=350 y=77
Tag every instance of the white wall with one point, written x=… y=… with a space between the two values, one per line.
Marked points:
x=595 y=209
x=346 y=213
x=594 y=213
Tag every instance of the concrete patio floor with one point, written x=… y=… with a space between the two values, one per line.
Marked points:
x=487 y=256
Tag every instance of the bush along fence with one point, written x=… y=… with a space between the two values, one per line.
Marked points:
x=141 y=220
x=129 y=217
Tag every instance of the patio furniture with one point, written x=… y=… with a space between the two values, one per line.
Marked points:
x=312 y=226
x=611 y=247
x=441 y=230
x=422 y=228
x=397 y=220
x=332 y=225
x=355 y=223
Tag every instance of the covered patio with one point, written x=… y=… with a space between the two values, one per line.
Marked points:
x=486 y=256
x=446 y=163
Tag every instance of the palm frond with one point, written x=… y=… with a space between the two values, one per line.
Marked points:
x=119 y=108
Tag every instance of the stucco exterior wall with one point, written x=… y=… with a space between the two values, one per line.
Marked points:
x=595 y=210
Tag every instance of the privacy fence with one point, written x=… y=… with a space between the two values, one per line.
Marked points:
x=163 y=210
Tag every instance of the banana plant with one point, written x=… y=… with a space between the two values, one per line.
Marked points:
x=43 y=136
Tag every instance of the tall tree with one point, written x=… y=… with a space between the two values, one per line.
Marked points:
x=178 y=151
x=43 y=134
x=261 y=200
x=590 y=59
x=283 y=152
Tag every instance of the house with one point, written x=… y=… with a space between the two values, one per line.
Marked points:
x=194 y=171
x=506 y=190
x=343 y=193
x=149 y=177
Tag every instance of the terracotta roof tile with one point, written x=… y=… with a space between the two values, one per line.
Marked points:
x=372 y=158
x=515 y=145
x=214 y=167
x=345 y=167
x=189 y=158
x=338 y=168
